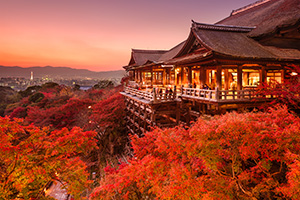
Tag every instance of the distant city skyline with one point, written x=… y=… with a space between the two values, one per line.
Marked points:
x=96 y=34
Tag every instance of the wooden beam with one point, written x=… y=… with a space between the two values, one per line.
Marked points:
x=219 y=77
x=164 y=76
x=177 y=112
x=190 y=75
x=140 y=79
x=169 y=77
x=283 y=74
x=240 y=77
x=226 y=77
x=263 y=74
x=182 y=74
x=202 y=77
x=151 y=76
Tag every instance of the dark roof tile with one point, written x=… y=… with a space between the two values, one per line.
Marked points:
x=267 y=16
x=230 y=41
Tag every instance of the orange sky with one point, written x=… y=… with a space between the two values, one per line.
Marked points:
x=98 y=34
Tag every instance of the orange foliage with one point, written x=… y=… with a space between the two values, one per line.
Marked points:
x=235 y=156
x=31 y=157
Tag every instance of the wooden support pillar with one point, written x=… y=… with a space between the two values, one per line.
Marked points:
x=283 y=74
x=145 y=118
x=154 y=94
x=168 y=77
x=182 y=74
x=176 y=80
x=153 y=118
x=174 y=92
x=219 y=77
x=177 y=112
x=164 y=77
x=190 y=81
x=226 y=77
x=202 y=77
x=240 y=77
x=263 y=75
x=139 y=113
x=134 y=75
x=151 y=76
x=188 y=116
x=140 y=77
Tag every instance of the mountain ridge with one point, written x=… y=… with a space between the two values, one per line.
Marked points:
x=57 y=72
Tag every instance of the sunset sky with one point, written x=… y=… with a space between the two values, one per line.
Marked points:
x=98 y=34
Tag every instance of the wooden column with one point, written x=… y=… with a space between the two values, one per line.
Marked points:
x=190 y=75
x=219 y=77
x=175 y=77
x=226 y=76
x=263 y=74
x=151 y=76
x=283 y=74
x=145 y=118
x=178 y=112
x=240 y=77
x=134 y=75
x=202 y=77
x=140 y=76
x=182 y=74
x=168 y=76
x=164 y=76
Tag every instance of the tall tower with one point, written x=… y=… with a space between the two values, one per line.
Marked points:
x=31 y=76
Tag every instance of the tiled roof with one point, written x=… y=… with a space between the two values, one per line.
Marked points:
x=267 y=16
x=140 y=56
x=171 y=53
x=229 y=40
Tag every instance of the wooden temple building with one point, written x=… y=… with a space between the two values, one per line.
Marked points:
x=216 y=69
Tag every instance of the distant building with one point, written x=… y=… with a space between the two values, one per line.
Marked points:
x=217 y=68
x=31 y=76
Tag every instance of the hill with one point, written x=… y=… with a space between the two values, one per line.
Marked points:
x=57 y=72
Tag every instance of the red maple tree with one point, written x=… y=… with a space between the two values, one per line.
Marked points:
x=234 y=156
x=31 y=157
x=286 y=92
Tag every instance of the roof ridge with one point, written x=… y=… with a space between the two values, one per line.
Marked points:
x=221 y=27
x=149 y=51
x=244 y=8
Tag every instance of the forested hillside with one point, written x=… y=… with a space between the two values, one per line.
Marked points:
x=234 y=156
x=53 y=132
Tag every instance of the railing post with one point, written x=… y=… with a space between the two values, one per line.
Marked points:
x=181 y=89
x=217 y=93
x=154 y=94
x=174 y=92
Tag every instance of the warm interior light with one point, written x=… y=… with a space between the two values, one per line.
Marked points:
x=294 y=74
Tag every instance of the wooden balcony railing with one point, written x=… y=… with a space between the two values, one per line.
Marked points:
x=142 y=94
x=154 y=95
x=163 y=94
x=219 y=95
x=208 y=95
